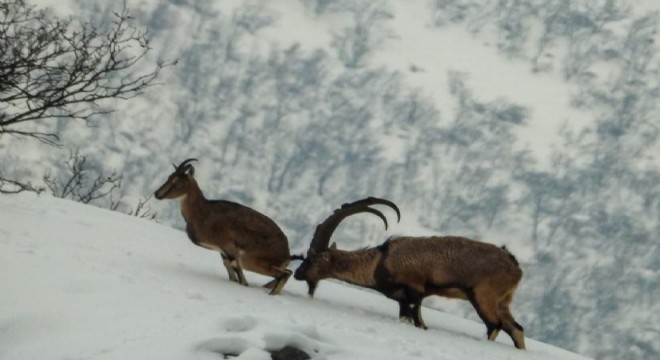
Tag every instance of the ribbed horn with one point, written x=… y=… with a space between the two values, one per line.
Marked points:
x=375 y=201
x=324 y=231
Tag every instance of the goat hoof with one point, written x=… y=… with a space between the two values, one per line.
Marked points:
x=271 y=284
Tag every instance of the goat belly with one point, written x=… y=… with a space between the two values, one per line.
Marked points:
x=210 y=246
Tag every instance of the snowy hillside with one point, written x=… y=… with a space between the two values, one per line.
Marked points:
x=533 y=124
x=80 y=282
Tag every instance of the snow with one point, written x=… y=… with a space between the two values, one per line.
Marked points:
x=79 y=282
x=73 y=320
x=436 y=51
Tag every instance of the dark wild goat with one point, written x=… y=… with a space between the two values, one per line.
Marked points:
x=408 y=269
x=245 y=238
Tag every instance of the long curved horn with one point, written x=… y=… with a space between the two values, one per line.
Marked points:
x=374 y=201
x=183 y=167
x=324 y=231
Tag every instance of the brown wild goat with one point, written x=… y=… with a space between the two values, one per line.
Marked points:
x=245 y=238
x=408 y=269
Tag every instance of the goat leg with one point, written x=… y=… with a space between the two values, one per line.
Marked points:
x=234 y=269
x=405 y=311
x=239 y=272
x=226 y=261
x=280 y=280
x=417 y=315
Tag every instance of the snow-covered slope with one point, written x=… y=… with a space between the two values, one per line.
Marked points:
x=434 y=118
x=80 y=282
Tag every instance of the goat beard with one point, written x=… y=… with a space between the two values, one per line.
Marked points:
x=311 y=287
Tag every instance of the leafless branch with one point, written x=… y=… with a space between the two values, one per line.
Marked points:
x=50 y=68
x=8 y=186
x=77 y=185
x=143 y=210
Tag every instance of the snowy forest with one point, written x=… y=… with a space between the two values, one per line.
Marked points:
x=295 y=107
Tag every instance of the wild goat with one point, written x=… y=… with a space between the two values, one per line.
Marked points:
x=408 y=269
x=245 y=238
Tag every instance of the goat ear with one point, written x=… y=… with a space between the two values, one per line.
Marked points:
x=191 y=171
x=333 y=246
